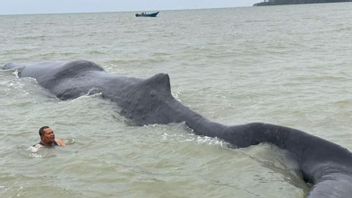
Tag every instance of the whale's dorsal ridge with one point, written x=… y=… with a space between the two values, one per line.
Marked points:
x=73 y=68
x=79 y=65
x=160 y=82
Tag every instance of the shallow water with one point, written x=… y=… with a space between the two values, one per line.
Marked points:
x=286 y=65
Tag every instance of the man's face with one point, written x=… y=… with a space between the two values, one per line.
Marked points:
x=48 y=136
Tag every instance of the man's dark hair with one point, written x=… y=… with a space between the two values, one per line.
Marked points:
x=41 y=130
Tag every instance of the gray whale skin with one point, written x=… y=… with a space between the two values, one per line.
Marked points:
x=324 y=164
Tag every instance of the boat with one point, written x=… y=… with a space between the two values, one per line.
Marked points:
x=146 y=14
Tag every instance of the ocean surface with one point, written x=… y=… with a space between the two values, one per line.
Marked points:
x=286 y=65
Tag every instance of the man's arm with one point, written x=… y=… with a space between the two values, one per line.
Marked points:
x=60 y=142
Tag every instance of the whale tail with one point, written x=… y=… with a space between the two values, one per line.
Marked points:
x=337 y=185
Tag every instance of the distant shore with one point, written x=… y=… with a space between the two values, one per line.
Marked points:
x=286 y=2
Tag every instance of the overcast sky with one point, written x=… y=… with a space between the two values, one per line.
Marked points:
x=64 y=6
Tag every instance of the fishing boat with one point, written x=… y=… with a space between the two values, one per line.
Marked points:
x=146 y=14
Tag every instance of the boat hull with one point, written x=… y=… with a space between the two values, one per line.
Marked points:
x=154 y=14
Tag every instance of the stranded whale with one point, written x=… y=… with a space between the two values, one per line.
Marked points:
x=324 y=164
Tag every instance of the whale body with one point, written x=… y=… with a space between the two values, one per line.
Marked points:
x=324 y=164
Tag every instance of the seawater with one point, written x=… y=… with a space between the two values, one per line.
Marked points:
x=286 y=65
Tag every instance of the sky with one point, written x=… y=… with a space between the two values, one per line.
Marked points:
x=69 y=6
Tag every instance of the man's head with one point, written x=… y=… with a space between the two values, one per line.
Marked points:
x=47 y=135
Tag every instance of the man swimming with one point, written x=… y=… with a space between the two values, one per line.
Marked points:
x=47 y=139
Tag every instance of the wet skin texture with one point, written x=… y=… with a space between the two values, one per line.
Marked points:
x=324 y=164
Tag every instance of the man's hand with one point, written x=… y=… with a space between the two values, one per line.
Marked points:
x=60 y=142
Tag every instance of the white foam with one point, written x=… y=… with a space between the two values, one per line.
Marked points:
x=194 y=138
x=16 y=73
x=176 y=95
x=35 y=155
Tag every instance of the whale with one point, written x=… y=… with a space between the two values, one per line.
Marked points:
x=326 y=166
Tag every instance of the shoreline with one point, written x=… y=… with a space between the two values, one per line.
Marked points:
x=293 y=2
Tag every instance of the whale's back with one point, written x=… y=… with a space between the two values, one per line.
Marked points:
x=49 y=74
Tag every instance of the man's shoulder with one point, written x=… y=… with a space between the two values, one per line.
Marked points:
x=35 y=147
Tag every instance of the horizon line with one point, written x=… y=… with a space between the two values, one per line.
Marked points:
x=118 y=11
